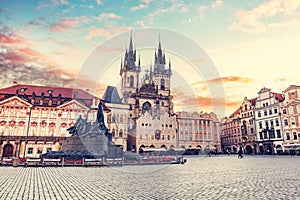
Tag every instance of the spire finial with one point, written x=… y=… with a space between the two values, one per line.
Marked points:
x=130 y=43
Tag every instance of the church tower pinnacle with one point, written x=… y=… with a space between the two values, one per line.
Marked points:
x=129 y=72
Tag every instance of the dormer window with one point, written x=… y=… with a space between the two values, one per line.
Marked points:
x=23 y=89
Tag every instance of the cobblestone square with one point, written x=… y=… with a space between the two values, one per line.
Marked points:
x=220 y=177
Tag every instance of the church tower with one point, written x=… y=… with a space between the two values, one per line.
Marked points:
x=129 y=72
x=161 y=75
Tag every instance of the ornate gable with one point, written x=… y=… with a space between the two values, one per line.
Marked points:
x=263 y=90
x=15 y=101
x=73 y=105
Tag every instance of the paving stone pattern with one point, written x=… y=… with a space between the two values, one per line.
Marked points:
x=221 y=177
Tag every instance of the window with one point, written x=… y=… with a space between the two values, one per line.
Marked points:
x=278 y=133
x=267 y=124
x=49 y=149
x=284 y=111
x=265 y=135
x=258 y=114
x=260 y=125
x=267 y=104
x=131 y=81
x=265 y=113
x=245 y=107
x=162 y=84
x=275 y=110
x=288 y=136
x=295 y=136
x=286 y=122
x=270 y=112
x=30 y=150
x=293 y=121
x=40 y=150
x=272 y=124
x=260 y=135
x=271 y=134
x=64 y=115
x=72 y=115
x=277 y=122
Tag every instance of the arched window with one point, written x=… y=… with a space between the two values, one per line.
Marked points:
x=162 y=84
x=146 y=107
x=131 y=81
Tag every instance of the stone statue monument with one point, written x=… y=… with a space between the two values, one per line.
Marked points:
x=93 y=137
x=84 y=128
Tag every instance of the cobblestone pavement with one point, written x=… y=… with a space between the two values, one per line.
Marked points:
x=221 y=177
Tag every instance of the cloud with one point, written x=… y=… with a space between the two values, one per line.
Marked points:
x=231 y=79
x=99 y=2
x=68 y=23
x=87 y=6
x=216 y=4
x=53 y=3
x=143 y=5
x=105 y=16
x=105 y=32
x=7 y=36
x=259 y=19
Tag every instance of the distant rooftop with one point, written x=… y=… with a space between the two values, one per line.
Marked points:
x=111 y=95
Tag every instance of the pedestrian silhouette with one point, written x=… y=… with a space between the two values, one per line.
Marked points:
x=240 y=153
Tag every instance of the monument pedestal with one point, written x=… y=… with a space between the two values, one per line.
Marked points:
x=98 y=146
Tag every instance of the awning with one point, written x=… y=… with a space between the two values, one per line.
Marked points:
x=291 y=148
x=153 y=149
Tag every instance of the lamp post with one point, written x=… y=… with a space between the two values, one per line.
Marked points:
x=27 y=132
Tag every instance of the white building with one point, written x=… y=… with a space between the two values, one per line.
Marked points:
x=268 y=124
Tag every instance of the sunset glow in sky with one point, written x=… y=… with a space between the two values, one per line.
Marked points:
x=252 y=43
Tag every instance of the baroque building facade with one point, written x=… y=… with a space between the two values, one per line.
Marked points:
x=248 y=128
x=231 y=137
x=35 y=119
x=268 y=121
x=290 y=112
x=199 y=131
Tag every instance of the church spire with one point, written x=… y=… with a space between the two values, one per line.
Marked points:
x=130 y=43
x=159 y=52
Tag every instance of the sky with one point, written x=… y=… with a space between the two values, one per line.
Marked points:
x=247 y=44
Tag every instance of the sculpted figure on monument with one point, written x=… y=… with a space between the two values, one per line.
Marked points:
x=84 y=128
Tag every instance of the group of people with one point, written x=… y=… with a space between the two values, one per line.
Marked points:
x=240 y=153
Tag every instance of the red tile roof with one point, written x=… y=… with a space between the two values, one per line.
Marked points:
x=279 y=97
x=238 y=111
x=29 y=89
x=253 y=101
x=67 y=94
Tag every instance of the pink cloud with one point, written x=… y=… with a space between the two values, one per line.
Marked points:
x=252 y=21
x=4 y=38
x=68 y=23
x=105 y=16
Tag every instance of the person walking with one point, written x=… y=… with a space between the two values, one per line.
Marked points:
x=240 y=153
